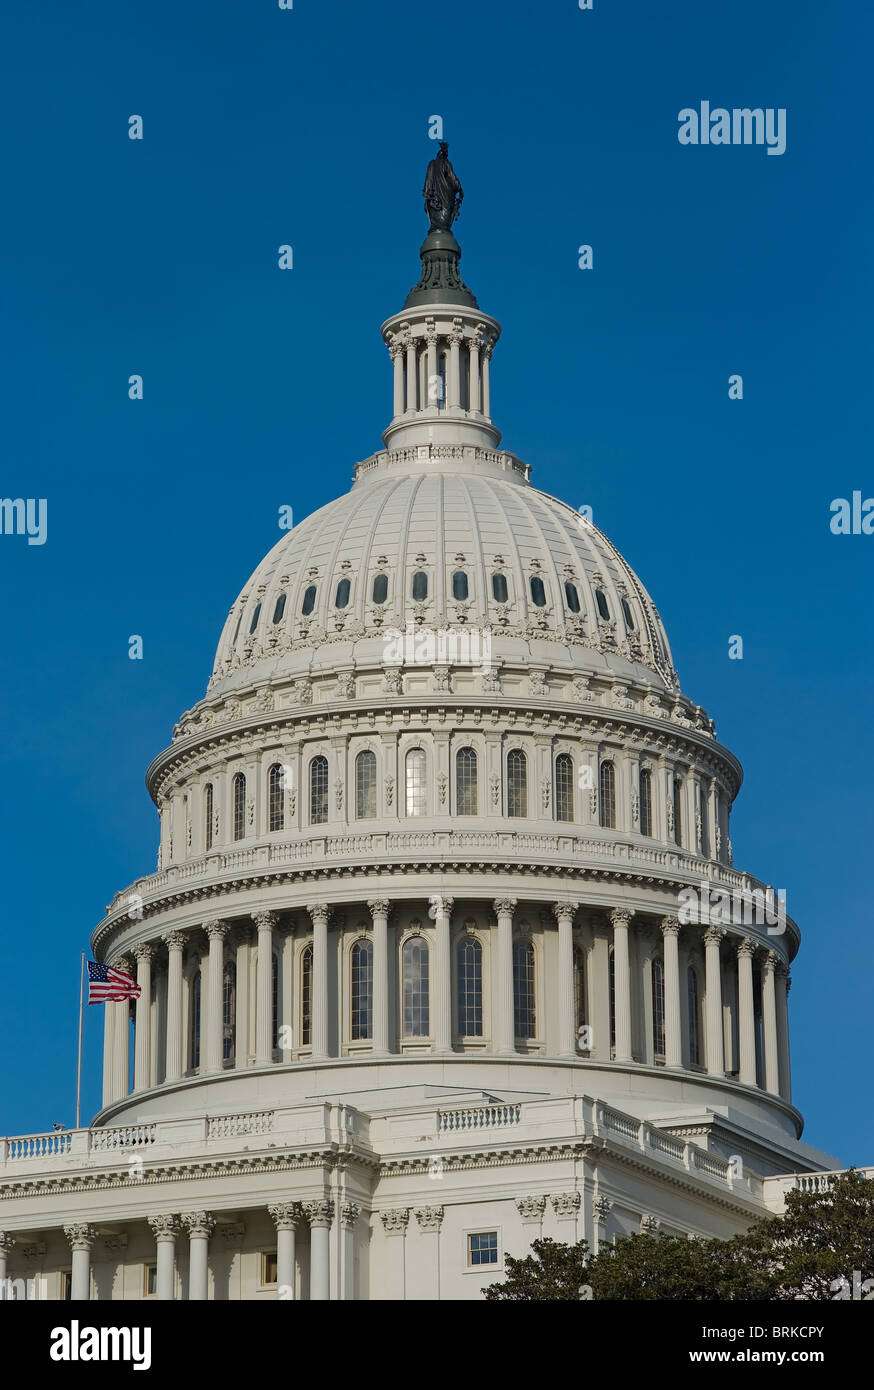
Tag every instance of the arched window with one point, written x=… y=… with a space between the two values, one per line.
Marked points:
x=499 y=588
x=362 y=990
x=465 y=782
x=580 y=999
x=229 y=1011
x=342 y=597
x=694 y=1005
x=517 y=783
x=279 y=609
x=470 y=988
x=645 y=801
x=275 y=1003
x=564 y=787
x=237 y=628
x=573 y=598
x=306 y=997
x=459 y=585
x=415 y=985
x=524 y=1018
x=380 y=588
x=318 y=791
x=255 y=616
x=365 y=785
x=538 y=593
x=678 y=811
x=627 y=615
x=194 y=1012
x=611 y=986
x=416 y=789
x=658 y=1007
x=275 y=798
x=208 y=813
x=608 y=795
x=420 y=586
x=602 y=604
x=309 y=600
x=239 y=806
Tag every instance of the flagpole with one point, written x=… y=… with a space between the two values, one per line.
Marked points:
x=79 y=1067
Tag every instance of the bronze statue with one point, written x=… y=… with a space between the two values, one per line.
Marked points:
x=443 y=193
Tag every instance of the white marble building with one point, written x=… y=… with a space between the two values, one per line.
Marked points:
x=419 y=981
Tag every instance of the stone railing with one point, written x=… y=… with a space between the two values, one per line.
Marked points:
x=479 y=1117
x=122 y=1137
x=228 y=1126
x=39 y=1145
x=777 y=1187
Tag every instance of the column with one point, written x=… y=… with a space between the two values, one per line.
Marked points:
x=320 y=1215
x=505 y=1041
x=783 y=982
x=746 y=1012
x=175 y=943
x=379 y=908
x=109 y=1013
x=442 y=908
x=265 y=922
x=430 y=1220
x=394 y=1224
x=216 y=931
x=620 y=917
x=143 y=1028
x=485 y=358
x=671 y=951
x=349 y=1214
x=200 y=1226
x=769 y=1023
x=412 y=374
x=600 y=991
x=285 y=1218
x=81 y=1238
x=564 y=912
x=715 y=1060
x=165 y=1230
x=397 y=356
x=454 y=382
x=474 y=396
x=320 y=913
x=7 y=1243
x=121 y=1039
x=601 y=1209
x=531 y=1209
x=431 y=397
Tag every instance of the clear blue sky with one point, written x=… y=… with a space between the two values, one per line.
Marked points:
x=263 y=388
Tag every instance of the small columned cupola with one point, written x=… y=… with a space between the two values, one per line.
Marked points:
x=441 y=343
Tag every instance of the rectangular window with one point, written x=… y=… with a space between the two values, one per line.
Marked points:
x=150 y=1281
x=482 y=1248
x=268 y=1269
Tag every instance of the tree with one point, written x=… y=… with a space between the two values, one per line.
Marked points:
x=821 y=1241
x=552 y=1272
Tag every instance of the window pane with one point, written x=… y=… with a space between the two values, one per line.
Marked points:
x=255 y=616
x=517 y=783
x=362 y=990
x=523 y=989
x=415 y=975
x=465 y=782
x=229 y=1010
x=538 y=593
x=309 y=600
x=608 y=795
x=275 y=799
x=306 y=997
x=658 y=1008
x=470 y=989
x=239 y=806
x=482 y=1249
x=319 y=791
x=627 y=615
x=573 y=598
x=564 y=787
x=279 y=609
x=459 y=585
x=499 y=588
x=580 y=1001
x=645 y=802
x=602 y=604
x=694 y=1039
x=208 y=814
x=195 y=1021
x=678 y=811
x=380 y=588
x=365 y=785
x=420 y=586
x=416 y=792
x=342 y=593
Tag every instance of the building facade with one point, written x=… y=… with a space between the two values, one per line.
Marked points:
x=446 y=948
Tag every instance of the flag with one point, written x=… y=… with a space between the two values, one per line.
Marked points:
x=108 y=986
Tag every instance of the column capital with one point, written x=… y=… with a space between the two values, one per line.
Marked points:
x=145 y=951
x=265 y=921
x=216 y=928
x=175 y=940
x=504 y=906
x=670 y=926
x=164 y=1227
x=349 y=1214
x=621 y=916
x=395 y=1220
x=198 y=1223
x=565 y=910
x=122 y=963
x=320 y=913
x=770 y=962
x=531 y=1208
x=565 y=1203
x=7 y=1243
x=441 y=906
x=429 y=1218
x=379 y=907
x=319 y=1213
x=81 y=1236
x=712 y=936
x=649 y=1224
x=746 y=948
x=601 y=1208
x=285 y=1215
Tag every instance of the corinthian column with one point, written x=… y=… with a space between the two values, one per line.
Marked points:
x=81 y=1237
x=620 y=917
x=783 y=982
x=670 y=939
x=216 y=931
x=379 y=910
x=396 y=351
x=143 y=1027
x=7 y=1244
x=265 y=922
x=564 y=912
x=175 y=943
x=442 y=908
x=320 y=914
x=769 y=1024
x=713 y=969
x=165 y=1230
x=473 y=345
x=746 y=1011
x=200 y=1226
x=121 y=1034
x=320 y=1215
x=108 y=1053
x=285 y=1218
x=505 y=1040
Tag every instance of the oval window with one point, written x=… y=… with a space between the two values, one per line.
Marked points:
x=573 y=598
x=342 y=593
x=602 y=604
x=538 y=593
x=255 y=616
x=420 y=586
x=380 y=588
x=627 y=615
x=499 y=587
x=309 y=600
x=279 y=609
x=459 y=585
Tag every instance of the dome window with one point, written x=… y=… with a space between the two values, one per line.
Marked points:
x=380 y=588
x=499 y=587
x=459 y=585
x=279 y=609
x=237 y=628
x=573 y=598
x=538 y=593
x=420 y=586
x=342 y=598
x=602 y=604
x=309 y=601
x=627 y=615
x=255 y=616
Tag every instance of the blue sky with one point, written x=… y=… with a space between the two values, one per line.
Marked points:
x=262 y=388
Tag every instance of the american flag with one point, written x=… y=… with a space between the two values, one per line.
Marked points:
x=108 y=986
